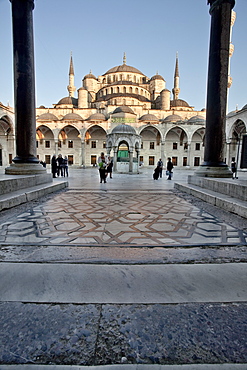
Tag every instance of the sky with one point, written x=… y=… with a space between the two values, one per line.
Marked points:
x=98 y=32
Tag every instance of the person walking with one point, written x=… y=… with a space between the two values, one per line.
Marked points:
x=160 y=166
x=169 y=168
x=234 y=168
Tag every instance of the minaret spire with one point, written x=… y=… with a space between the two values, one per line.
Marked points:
x=176 y=89
x=71 y=88
x=124 y=58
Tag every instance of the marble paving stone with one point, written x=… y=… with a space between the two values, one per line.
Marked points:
x=129 y=217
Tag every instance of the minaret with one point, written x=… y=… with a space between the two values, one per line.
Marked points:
x=124 y=58
x=176 y=89
x=71 y=88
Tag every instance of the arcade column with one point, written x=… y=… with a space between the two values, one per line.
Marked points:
x=26 y=161
x=213 y=165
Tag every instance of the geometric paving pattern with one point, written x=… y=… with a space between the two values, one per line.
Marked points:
x=76 y=217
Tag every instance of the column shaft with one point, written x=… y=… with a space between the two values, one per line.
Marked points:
x=217 y=82
x=24 y=81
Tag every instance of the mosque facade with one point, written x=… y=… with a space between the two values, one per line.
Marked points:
x=122 y=99
x=125 y=114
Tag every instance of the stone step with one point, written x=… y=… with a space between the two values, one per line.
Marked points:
x=27 y=193
x=11 y=183
x=228 y=202
x=232 y=187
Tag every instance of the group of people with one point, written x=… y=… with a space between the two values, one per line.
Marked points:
x=105 y=164
x=159 y=169
x=59 y=166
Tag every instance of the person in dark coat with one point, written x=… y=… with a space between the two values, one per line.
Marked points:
x=169 y=168
x=54 y=166
x=160 y=165
x=60 y=165
x=156 y=173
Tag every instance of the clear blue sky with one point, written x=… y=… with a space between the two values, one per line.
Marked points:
x=98 y=32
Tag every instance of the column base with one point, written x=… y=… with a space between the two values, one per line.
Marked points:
x=209 y=171
x=25 y=169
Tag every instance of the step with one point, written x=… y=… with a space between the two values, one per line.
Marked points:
x=11 y=183
x=232 y=187
x=226 y=202
x=15 y=198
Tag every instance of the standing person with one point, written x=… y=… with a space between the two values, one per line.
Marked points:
x=65 y=166
x=54 y=166
x=60 y=165
x=101 y=157
x=102 y=171
x=160 y=165
x=109 y=167
x=169 y=168
x=234 y=168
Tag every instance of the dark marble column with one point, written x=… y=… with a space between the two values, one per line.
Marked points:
x=26 y=160
x=214 y=166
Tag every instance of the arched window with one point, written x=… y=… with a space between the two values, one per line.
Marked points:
x=137 y=91
x=124 y=90
x=118 y=90
x=111 y=90
x=131 y=90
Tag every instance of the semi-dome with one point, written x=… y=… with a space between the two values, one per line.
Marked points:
x=157 y=77
x=179 y=103
x=149 y=117
x=68 y=100
x=72 y=116
x=123 y=109
x=97 y=117
x=173 y=118
x=123 y=68
x=123 y=129
x=196 y=119
x=47 y=116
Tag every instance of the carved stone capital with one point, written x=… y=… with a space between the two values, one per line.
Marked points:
x=216 y=3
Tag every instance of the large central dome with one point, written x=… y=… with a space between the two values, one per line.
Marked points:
x=123 y=68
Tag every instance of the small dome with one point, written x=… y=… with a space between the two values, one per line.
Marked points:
x=244 y=107
x=48 y=116
x=173 y=118
x=72 y=116
x=123 y=68
x=97 y=117
x=179 y=103
x=196 y=119
x=149 y=117
x=123 y=129
x=123 y=109
x=90 y=75
x=68 y=101
x=157 y=77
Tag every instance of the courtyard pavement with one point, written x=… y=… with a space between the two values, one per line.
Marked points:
x=131 y=273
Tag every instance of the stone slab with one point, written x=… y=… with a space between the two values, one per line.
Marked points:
x=82 y=283
x=128 y=367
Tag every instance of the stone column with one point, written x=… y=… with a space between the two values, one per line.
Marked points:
x=162 y=152
x=115 y=149
x=131 y=160
x=214 y=165
x=26 y=161
x=83 y=154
